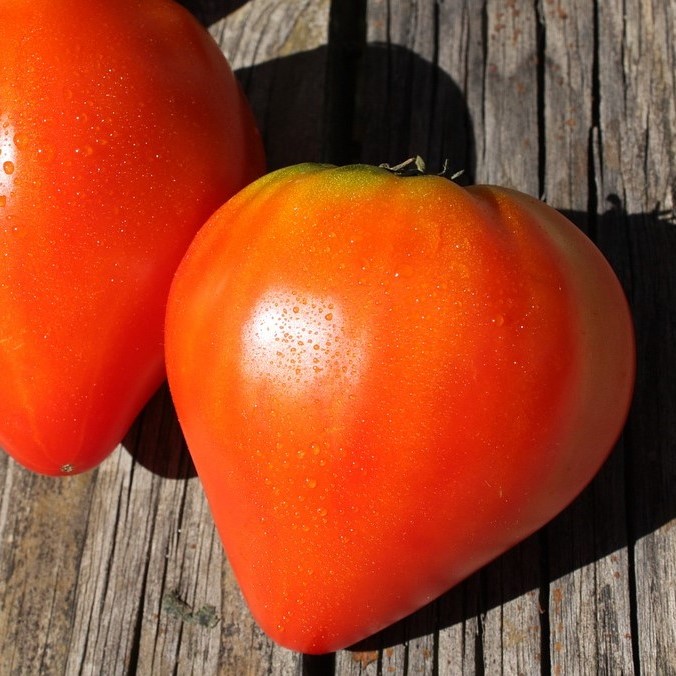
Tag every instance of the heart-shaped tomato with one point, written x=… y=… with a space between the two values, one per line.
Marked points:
x=385 y=382
x=122 y=128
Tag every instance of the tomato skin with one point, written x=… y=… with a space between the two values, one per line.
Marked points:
x=386 y=382
x=122 y=128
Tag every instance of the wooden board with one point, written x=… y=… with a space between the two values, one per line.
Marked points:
x=120 y=571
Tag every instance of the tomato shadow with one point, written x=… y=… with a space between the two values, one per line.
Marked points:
x=156 y=442
x=309 y=109
x=208 y=12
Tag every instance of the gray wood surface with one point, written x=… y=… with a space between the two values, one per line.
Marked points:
x=571 y=100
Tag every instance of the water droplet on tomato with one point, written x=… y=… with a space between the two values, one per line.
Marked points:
x=314 y=447
x=45 y=154
x=311 y=483
x=322 y=511
x=3 y=200
x=498 y=320
x=20 y=141
x=8 y=167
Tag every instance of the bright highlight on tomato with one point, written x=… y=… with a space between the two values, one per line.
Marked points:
x=387 y=381
x=122 y=129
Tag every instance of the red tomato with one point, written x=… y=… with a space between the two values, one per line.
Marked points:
x=122 y=129
x=385 y=382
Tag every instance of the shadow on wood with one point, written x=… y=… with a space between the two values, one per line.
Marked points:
x=156 y=442
x=210 y=11
x=302 y=122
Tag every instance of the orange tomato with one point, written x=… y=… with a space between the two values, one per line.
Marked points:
x=122 y=129
x=385 y=382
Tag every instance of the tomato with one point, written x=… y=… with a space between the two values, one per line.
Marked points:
x=385 y=382
x=122 y=129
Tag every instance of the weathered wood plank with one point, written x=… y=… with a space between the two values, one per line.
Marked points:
x=589 y=604
x=635 y=161
x=569 y=91
x=507 y=140
x=42 y=524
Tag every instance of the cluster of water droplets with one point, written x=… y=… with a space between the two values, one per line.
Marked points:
x=9 y=143
x=297 y=341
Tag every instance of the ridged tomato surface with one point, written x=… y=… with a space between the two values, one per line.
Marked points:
x=385 y=382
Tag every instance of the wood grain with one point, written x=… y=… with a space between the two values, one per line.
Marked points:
x=120 y=571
